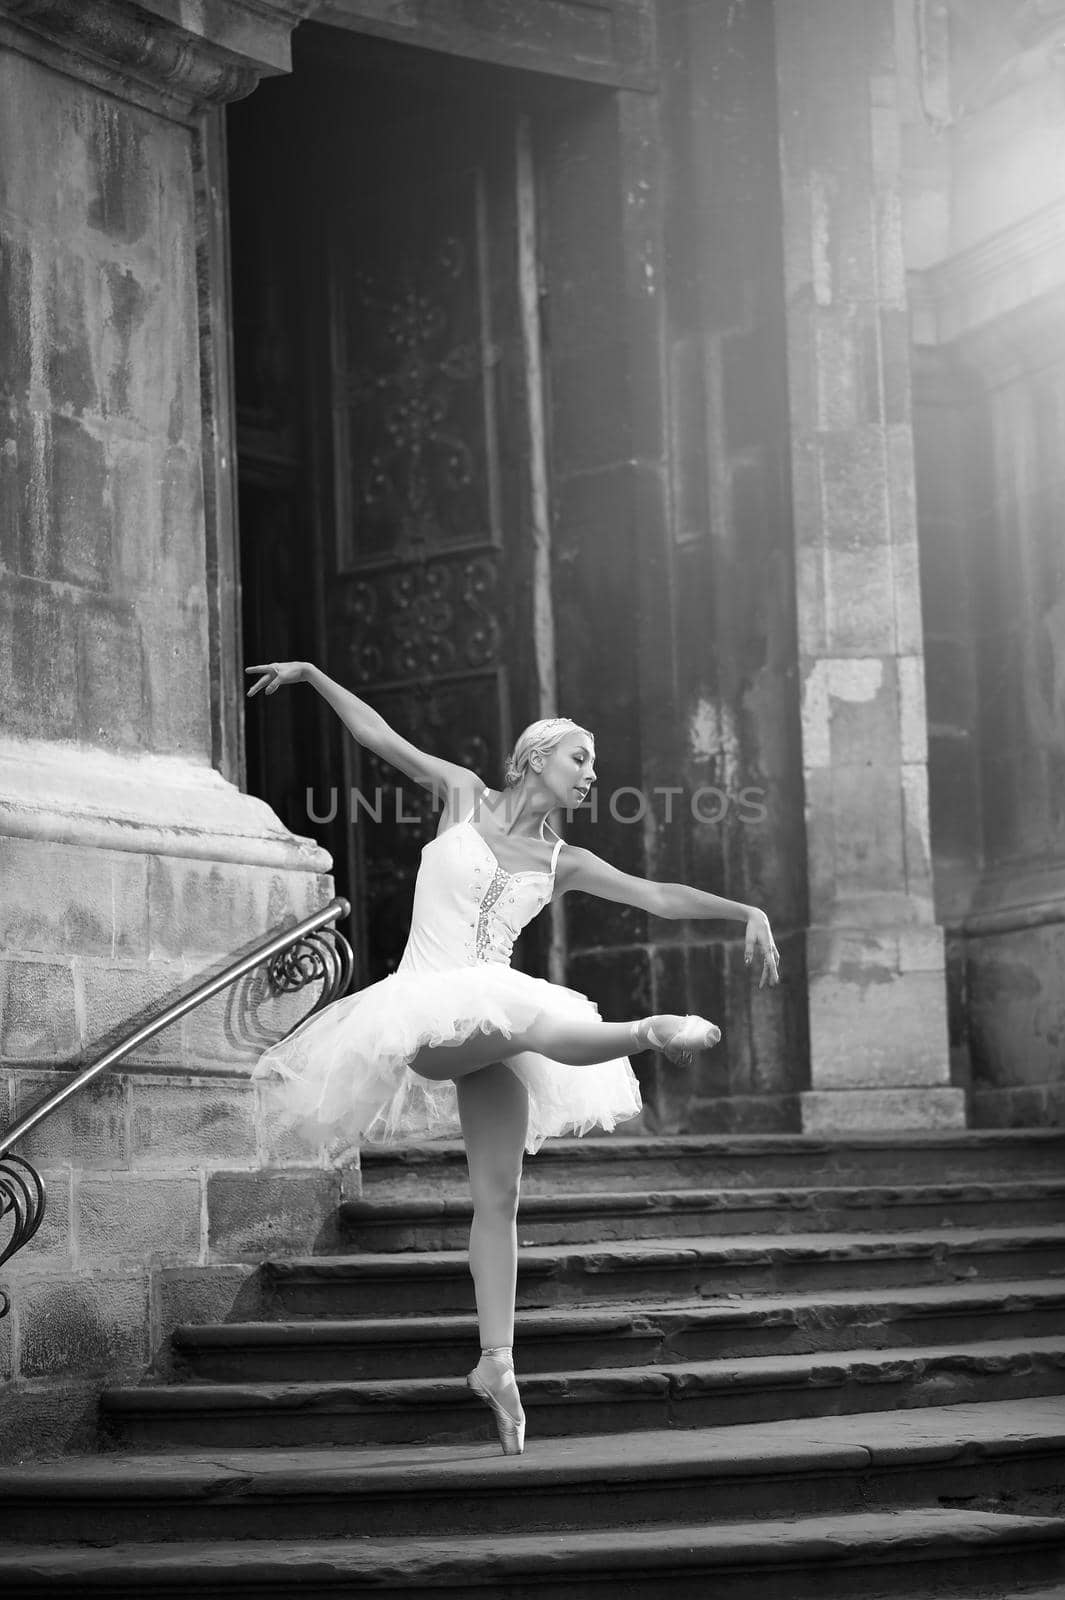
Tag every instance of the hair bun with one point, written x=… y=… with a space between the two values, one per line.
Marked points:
x=539 y=737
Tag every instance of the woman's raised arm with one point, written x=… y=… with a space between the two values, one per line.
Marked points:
x=580 y=869
x=454 y=786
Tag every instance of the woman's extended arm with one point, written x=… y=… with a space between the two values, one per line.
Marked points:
x=454 y=785
x=580 y=869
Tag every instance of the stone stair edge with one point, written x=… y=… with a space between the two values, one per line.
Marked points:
x=1007 y=1294
x=971 y=1430
x=746 y=1144
x=678 y=1377
x=664 y=1455
x=843 y=1539
x=431 y=1208
x=680 y=1247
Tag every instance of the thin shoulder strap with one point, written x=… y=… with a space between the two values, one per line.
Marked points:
x=559 y=842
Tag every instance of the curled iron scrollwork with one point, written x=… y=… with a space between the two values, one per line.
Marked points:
x=286 y=962
x=324 y=954
x=22 y=1205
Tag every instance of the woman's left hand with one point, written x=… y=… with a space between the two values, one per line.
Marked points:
x=760 y=937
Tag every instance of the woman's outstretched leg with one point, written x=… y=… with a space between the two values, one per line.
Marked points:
x=575 y=1043
x=494 y=1111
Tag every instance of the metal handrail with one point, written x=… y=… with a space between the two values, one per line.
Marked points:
x=298 y=955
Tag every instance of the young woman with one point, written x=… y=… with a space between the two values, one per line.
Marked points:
x=455 y=1032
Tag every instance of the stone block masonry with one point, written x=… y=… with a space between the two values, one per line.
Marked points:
x=149 y=1172
x=164 y=1194
x=879 y=1055
x=129 y=867
x=101 y=453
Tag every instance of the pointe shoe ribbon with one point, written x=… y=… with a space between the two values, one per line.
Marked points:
x=511 y=1429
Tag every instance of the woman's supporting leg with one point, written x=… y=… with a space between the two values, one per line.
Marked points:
x=494 y=1111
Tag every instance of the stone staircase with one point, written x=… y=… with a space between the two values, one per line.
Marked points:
x=759 y=1368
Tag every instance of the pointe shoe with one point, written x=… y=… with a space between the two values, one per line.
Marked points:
x=511 y=1430
x=694 y=1033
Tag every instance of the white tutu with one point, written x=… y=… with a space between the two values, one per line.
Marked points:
x=344 y=1075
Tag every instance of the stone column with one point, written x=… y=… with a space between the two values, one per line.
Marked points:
x=128 y=863
x=877 y=995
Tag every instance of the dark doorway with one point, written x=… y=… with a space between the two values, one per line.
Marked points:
x=392 y=468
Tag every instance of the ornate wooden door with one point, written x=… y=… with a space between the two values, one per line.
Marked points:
x=427 y=413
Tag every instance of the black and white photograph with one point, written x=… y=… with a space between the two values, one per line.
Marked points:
x=532 y=799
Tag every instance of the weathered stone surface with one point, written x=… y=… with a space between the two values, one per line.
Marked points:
x=855 y=1109
x=860 y=600
x=111 y=655
x=90 y=1131
x=101 y=328
x=863 y=723
x=83 y=1326
x=229 y=1032
x=851 y=711
x=212 y=1293
x=743 y=1389
x=1016 y=1014
x=38 y=1020
x=104 y=664
x=215 y=908
x=262 y=1213
x=139 y=1218
x=49 y=1418
x=119 y=999
x=59 y=899
x=191 y=1124
x=149 y=804
x=854 y=491
x=37 y=659
x=870 y=1027
x=593 y=1165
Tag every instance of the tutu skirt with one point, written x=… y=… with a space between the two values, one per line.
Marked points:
x=343 y=1077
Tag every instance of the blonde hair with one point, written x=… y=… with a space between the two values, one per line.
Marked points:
x=538 y=739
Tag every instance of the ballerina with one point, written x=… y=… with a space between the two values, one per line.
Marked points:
x=456 y=1039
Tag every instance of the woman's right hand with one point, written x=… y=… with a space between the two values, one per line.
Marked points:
x=275 y=673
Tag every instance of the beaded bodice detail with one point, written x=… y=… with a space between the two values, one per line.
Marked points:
x=467 y=908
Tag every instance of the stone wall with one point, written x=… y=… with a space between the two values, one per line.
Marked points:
x=130 y=867
x=875 y=954
x=987 y=256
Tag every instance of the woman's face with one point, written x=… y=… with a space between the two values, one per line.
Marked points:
x=569 y=769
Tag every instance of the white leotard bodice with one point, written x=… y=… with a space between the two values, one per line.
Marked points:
x=467 y=908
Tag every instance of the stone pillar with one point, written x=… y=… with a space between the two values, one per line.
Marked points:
x=129 y=865
x=877 y=995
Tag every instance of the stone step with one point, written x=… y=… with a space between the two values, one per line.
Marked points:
x=898 y=1555
x=687 y=1394
x=581 y=1336
x=740 y=1161
x=410 y=1283
x=442 y=1222
x=1008 y=1454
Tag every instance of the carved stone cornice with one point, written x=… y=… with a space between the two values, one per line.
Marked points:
x=597 y=41
x=1002 y=295
x=172 y=55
